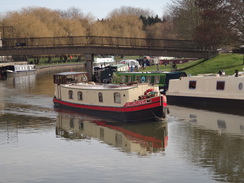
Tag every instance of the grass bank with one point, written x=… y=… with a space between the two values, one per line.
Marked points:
x=222 y=62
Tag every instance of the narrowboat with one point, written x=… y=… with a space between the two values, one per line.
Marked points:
x=124 y=102
x=159 y=78
x=12 y=69
x=212 y=92
x=20 y=70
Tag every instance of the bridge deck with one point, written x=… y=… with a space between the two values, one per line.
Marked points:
x=103 y=45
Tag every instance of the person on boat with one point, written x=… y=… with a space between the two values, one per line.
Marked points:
x=174 y=66
x=143 y=64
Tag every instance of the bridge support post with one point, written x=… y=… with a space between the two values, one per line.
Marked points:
x=89 y=64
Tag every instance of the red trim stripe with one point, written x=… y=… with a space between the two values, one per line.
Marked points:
x=155 y=102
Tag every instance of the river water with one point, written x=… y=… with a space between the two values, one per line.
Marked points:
x=40 y=144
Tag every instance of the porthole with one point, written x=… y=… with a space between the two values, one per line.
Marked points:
x=143 y=79
x=240 y=86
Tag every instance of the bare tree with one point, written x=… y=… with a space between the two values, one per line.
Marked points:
x=25 y=25
x=215 y=28
x=72 y=13
x=237 y=19
x=162 y=30
x=184 y=14
x=44 y=22
x=127 y=10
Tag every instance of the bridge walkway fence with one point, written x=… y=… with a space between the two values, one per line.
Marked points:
x=99 y=41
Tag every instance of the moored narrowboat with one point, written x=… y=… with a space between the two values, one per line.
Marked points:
x=20 y=70
x=12 y=69
x=211 y=92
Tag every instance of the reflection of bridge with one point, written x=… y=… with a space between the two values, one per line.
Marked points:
x=102 y=45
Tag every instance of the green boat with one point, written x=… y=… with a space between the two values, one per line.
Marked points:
x=158 y=77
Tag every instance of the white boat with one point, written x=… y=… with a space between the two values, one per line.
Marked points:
x=20 y=70
x=135 y=102
x=217 y=93
x=134 y=65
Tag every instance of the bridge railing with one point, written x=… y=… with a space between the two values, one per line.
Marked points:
x=98 y=41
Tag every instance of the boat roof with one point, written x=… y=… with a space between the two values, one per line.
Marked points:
x=69 y=73
x=153 y=72
x=116 y=65
x=103 y=86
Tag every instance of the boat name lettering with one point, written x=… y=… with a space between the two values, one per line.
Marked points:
x=138 y=102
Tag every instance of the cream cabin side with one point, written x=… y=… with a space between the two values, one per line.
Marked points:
x=208 y=86
x=101 y=97
x=140 y=89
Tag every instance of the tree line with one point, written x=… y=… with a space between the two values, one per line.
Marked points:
x=209 y=23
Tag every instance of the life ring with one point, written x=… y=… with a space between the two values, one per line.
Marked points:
x=149 y=90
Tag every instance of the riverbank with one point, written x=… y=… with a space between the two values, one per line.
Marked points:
x=59 y=68
x=228 y=62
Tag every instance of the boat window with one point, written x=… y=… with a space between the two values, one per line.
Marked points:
x=192 y=84
x=129 y=79
x=157 y=79
x=100 y=97
x=118 y=140
x=70 y=79
x=102 y=133
x=70 y=94
x=79 y=95
x=221 y=124
x=240 y=86
x=84 y=78
x=81 y=125
x=123 y=79
x=220 y=85
x=117 y=98
x=149 y=79
x=71 y=123
x=138 y=78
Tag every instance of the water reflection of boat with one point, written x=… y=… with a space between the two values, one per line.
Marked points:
x=2 y=104
x=220 y=122
x=140 y=138
x=22 y=82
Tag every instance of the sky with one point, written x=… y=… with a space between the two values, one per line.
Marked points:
x=98 y=8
